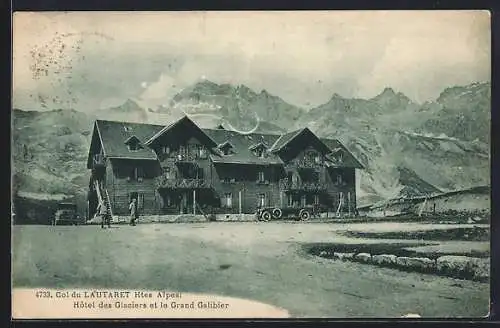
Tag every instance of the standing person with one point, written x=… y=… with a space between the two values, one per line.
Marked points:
x=133 y=211
x=104 y=215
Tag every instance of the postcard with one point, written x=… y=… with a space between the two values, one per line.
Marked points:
x=308 y=164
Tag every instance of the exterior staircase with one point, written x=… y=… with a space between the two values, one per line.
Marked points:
x=103 y=197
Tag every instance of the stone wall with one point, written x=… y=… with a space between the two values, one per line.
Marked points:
x=462 y=267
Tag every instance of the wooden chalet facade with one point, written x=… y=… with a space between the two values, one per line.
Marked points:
x=182 y=168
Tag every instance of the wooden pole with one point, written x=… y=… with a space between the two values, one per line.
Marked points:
x=194 y=201
x=239 y=200
x=349 y=202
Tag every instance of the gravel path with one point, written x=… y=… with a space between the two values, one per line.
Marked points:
x=259 y=261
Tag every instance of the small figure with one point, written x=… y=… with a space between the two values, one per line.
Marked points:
x=133 y=212
x=105 y=219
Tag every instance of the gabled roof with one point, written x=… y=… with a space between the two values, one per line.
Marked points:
x=287 y=138
x=241 y=144
x=114 y=136
x=257 y=145
x=132 y=139
x=183 y=120
x=284 y=139
x=226 y=144
x=348 y=159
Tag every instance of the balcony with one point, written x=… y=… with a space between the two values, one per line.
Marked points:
x=98 y=161
x=182 y=183
x=303 y=186
x=309 y=163
x=184 y=157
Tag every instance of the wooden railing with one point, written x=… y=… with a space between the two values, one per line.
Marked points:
x=302 y=185
x=182 y=183
x=184 y=157
x=309 y=163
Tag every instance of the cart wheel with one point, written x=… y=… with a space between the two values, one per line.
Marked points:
x=266 y=216
x=277 y=213
x=304 y=215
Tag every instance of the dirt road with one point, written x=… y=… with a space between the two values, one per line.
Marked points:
x=260 y=261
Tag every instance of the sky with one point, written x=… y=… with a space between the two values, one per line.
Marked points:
x=92 y=60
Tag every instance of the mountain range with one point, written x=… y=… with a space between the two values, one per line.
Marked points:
x=407 y=148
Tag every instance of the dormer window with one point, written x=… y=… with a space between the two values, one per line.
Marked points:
x=165 y=150
x=259 y=150
x=226 y=148
x=338 y=155
x=133 y=143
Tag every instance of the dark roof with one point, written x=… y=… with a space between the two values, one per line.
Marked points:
x=258 y=145
x=131 y=138
x=241 y=144
x=114 y=135
x=348 y=159
x=284 y=139
x=287 y=138
x=184 y=122
x=225 y=144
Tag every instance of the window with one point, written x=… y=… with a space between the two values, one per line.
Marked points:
x=226 y=148
x=262 y=200
x=261 y=177
x=316 y=199
x=165 y=150
x=139 y=198
x=137 y=174
x=133 y=146
x=259 y=152
x=140 y=201
x=303 y=200
x=317 y=159
x=202 y=152
x=228 y=200
x=339 y=179
x=200 y=173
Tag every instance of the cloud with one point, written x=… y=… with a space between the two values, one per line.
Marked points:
x=303 y=57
